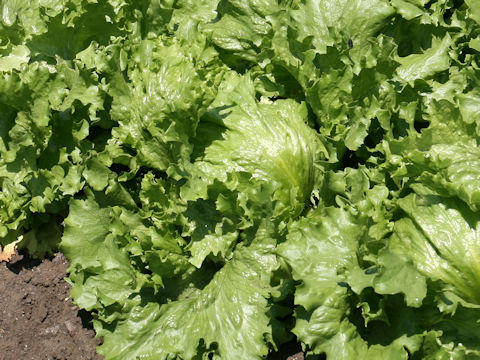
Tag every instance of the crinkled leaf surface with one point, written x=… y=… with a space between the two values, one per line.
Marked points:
x=320 y=250
x=227 y=175
x=227 y=317
x=442 y=240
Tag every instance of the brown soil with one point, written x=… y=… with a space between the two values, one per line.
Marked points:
x=39 y=322
x=288 y=351
x=37 y=318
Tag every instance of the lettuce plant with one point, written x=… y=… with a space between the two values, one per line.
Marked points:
x=229 y=176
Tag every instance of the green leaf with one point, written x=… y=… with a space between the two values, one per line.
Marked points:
x=440 y=237
x=356 y=20
x=408 y=10
x=96 y=174
x=473 y=6
x=420 y=66
x=269 y=141
x=228 y=317
x=400 y=276
x=158 y=109
x=92 y=222
x=320 y=249
x=18 y=56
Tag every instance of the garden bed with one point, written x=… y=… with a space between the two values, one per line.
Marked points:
x=38 y=320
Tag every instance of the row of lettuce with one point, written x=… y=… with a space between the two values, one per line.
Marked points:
x=228 y=176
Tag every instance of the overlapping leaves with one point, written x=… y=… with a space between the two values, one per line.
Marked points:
x=233 y=175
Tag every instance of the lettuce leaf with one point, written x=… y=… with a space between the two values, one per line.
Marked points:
x=441 y=239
